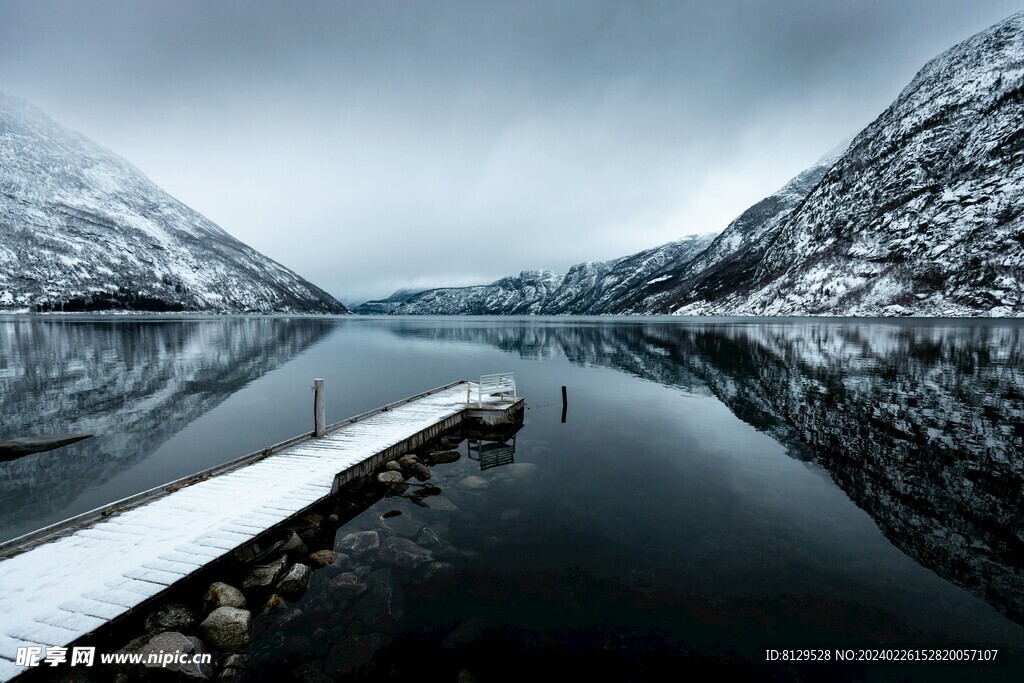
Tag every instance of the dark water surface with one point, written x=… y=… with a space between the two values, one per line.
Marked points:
x=719 y=487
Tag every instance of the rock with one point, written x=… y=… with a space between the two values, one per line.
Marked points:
x=354 y=656
x=474 y=483
x=173 y=617
x=233 y=666
x=444 y=457
x=275 y=603
x=263 y=576
x=294 y=546
x=359 y=543
x=433 y=571
x=408 y=460
x=325 y=558
x=466 y=633
x=391 y=478
x=333 y=518
x=222 y=595
x=295 y=582
x=171 y=642
x=420 y=471
x=466 y=677
x=511 y=514
x=393 y=466
x=227 y=628
x=402 y=525
x=301 y=647
x=403 y=553
x=442 y=504
x=346 y=586
x=383 y=603
x=310 y=672
x=520 y=469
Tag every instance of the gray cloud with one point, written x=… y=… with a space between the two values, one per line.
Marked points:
x=373 y=145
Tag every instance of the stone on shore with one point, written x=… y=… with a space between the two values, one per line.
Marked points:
x=391 y=478
x=227 y=628
x=326 y=558
x=220 y=594
x=173 y=617
x=444 y=457
x=171 y=642
x=295 y=582
x=263 y=576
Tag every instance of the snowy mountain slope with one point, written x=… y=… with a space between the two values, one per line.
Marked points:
x=594 y=289
x=386 y=306
x=82 y=229
x=923 y=214
x=522 y=294
x=731 y=259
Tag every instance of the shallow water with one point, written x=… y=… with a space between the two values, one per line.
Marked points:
x=718 y=488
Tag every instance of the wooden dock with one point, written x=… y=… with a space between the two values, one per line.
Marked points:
x=61 y=584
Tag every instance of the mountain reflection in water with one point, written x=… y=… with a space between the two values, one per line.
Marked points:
x=922 y=425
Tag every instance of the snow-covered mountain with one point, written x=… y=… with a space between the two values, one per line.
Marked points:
x=522 y=294
x=596 y=288
x=923 y=213
x=587 y=289
x=731 y=259
x=385 y=306
x=82 y=229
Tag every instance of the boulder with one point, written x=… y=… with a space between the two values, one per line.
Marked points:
x=346 y=586
x=294 y=546
x=227 y=628
x=401 y=552
x=408 y=460
x=383 y=603
x=474 y=483
x=263 y=576
x=275 y=603
x=171 y=642
x=391 y=478
x=442 y=504
x=359 y=543
x=420 y=471
x=295 y=582
x=326 y=558
x=444 y=457
x=393 y=466
x=222 y=595
x=353 y=656
x=233 y=666
x=402 y=525
x=173 y=617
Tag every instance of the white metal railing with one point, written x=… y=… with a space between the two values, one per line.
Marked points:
x=501 y=386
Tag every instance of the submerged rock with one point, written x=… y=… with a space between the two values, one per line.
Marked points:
x=402 y=525
x=222 y=595
x=295 y=582
x=326 y=558
x=511 y=514
x=171 y=642
x=354 y=656
x=474 y=483
x=420 y=471
x=466 y=633
x=442 y=504
x=264 y=576
x=227 y=628
x=173 y=617
x=466 y=677
x=383 y=603
x=346 y=586
x=403 y=553
x=432 y=571
x=444 y=457
x=359 y=543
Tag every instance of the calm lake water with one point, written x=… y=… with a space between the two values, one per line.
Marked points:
x=718 y=488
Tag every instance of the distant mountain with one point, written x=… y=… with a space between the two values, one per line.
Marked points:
x=386 y=306
x=522 y=294
x=730 y=261
x=82 y=229
x=596 y=288
x=923 y=213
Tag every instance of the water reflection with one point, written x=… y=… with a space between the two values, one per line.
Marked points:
x=922 y=425
x=133 y=384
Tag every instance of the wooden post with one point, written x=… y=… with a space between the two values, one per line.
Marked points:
x=565 y=403
x=319 y=410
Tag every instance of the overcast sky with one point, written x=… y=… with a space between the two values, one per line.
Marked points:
x=376 y=145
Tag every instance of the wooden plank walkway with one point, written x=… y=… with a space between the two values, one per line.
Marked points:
x=64 y=588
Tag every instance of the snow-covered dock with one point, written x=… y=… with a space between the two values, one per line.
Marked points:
x=63 y=583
